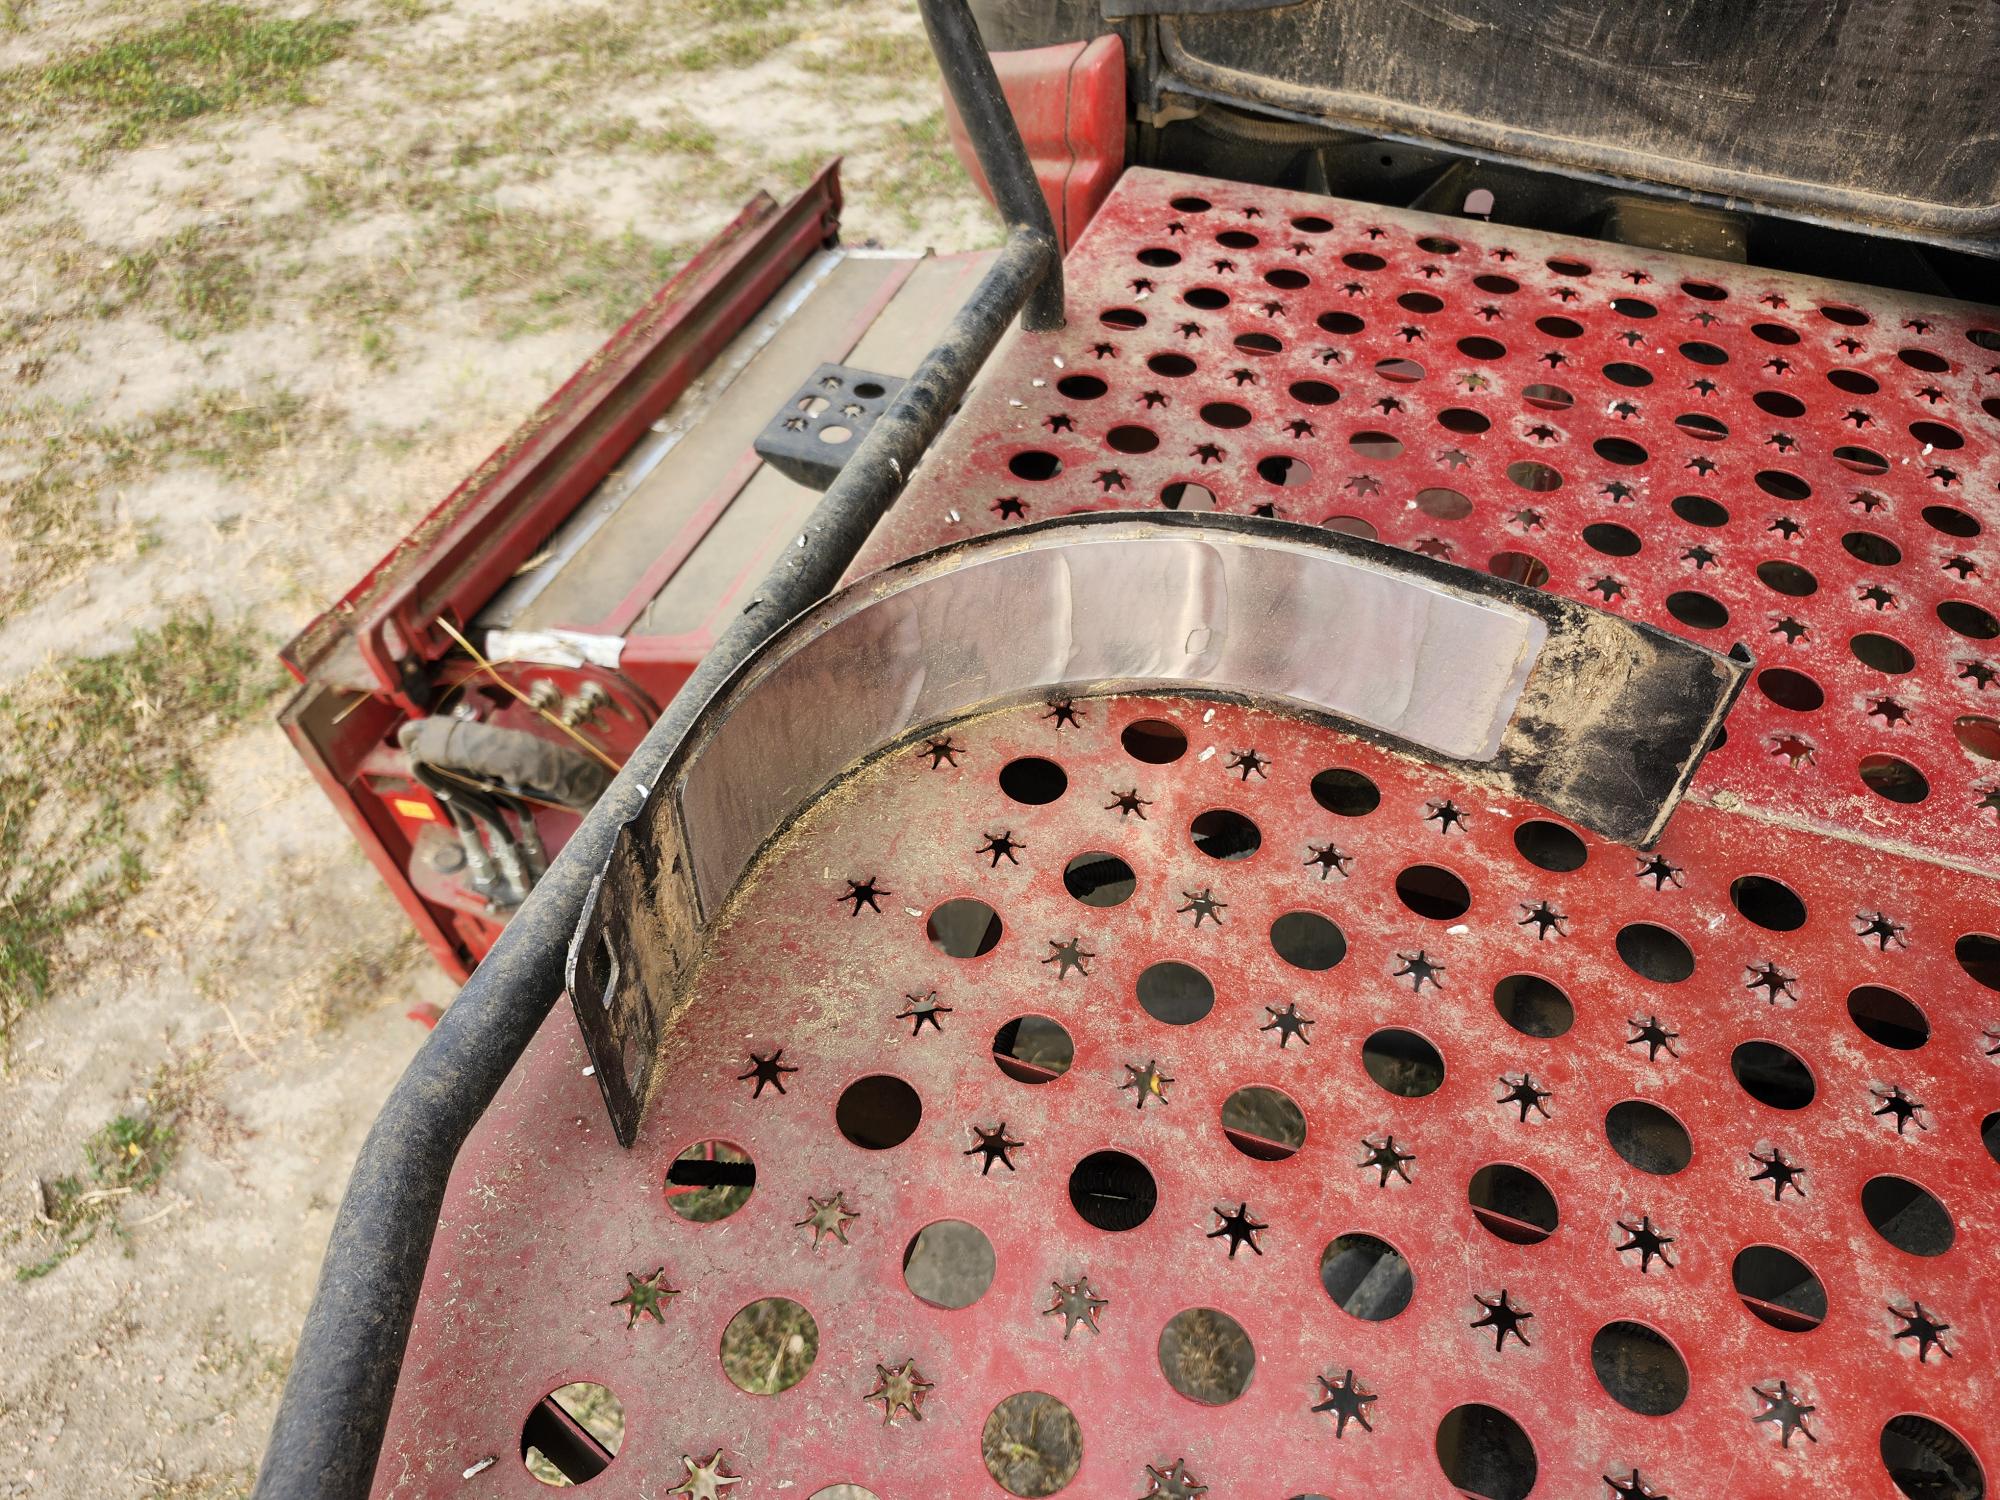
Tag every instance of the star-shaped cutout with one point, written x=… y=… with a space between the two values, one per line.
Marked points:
x=1944 y=475
x=1618 y=492
x=1503 y=1317
x=1128 y=803
x=1608 y=587
x=1654 y=1035
x=865 y=893
x=1632 y=338
x=1067 y=956
x=826 y=1216
x=1346 y=1401
x=1329 y=859
x=1889 y=711
x=1011 y=508
x=1625 y=410
x=1931 y=394
x=1111 y=479
x=1202 y=905
x=646 y=1296
x=1981 y=675
x=1364 y=484
x=1249 y=763
x=1786 y=527
x=1656 y=868
x=1926 y=1330
x=1784 y=1408
x=1064 y=714
x=1299 y=427
x=1773 y=981
x=994 y=1145
x=1778 y=365
x=1475 y=381
x=1455 y=458
x=1703 y=386
x=1431 y=546
x=998 y=844
x=1522 y=1091
x=1265 y=508
x=1409 y=333
x=1239 y=1228
x=1208 y=453
x=1385 y=1158
x=1780 y=1173
x=1857 y=418
x=1702 y=464
x=1059 y=422
x=1288 y=1023
x=1792 y=630
x=1078 y=1303
x=1876 y=595
x=1151 y=399
x=1700 y=556
x=1554 y=357
x=768 y=1071
x=1648 y=1241
x=1545 y=919
x=1189 y=330
x=1174 y=1483
x=1784 y=442
x=1147 y=1083
x=1104 y=351
x=943 y=751
x=1964 y=567
x=1900 y=1107
x=923 y=1010
x=1875 y=924
x=1529 y=519
x=900 y=1389
x=1796 y=749
x=707 y=1479
x=1417 y=968
x=1541 y=432
x=1445 y=814
x=1868 y=500
x=1634 y=1488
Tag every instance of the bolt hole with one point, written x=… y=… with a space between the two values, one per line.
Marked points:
x=1652 y=952
x=1263 y=1123
x=1883 y=653
x=1512 y=1203
x=573 y=1434
x=1033 y=1049
x=1403 y=1063
x=963 y=928
x=1206 y=1356
x=1154 y=741
x=1978 y=953
x=1771 y=904
x=1697 y=610
x=1433 y=892
x=1883 y=1016
x=878 y=1112
x=1034 y=464
x=1222 y=834
x=1772 y=1075
x=1779 y=1288
x=710 y=1180
x=1099 y=879
x=1895 y=779
x=1175 y=993
x=1307 y=940
x=1789 y=689
x=1906 y=1215
x=1639 y=1369
x=1550 y=846
x=1647 y=1137
x=1485 y=1452
x=1031 y=1445
x=1366 y=1277
x=1033 y=780
x=1112 y=1191
x=1347 y=793
x=1928 y=1461
x=1533 y=1006
x=769 y=1346
x=948 y=1264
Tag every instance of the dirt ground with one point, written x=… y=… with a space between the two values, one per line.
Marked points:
x=272 y=279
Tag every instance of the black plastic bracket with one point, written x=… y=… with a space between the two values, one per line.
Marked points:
x=809 y=437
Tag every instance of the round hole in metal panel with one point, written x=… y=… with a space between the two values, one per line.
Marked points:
x=1697 y=610
x=1631 y=376
x=1307 y=940
x=1633 y=307
x=1122 y=317
x=963 y=928
x=1772 y=1074
x=1787 y=578
x=1512 y=1203
x=1033 y=1049
x=1768 y=902
x=878 y=1112
x=834 y=435
x=1923 y=359
x=1969 y=620
x=1034 y=464
x=1533 y=1006
x=1176 y=993
x=1978 y=953
x=1560 y=328
x=1438 y=245
x=1157 y=742
x=1314 y=392
x=1208 y=298
x=1225 y=414
x=1702 y=427
x=949 y=1263
x=1950 y=520
x=1173 y=366
x=1847 y=317
x=1031 y=1444
x=1188 y=203
x=1486 y=1453
x=1883 y=653
x=1348 y=793
x=1648 y=1137
x=1781 y=485
x=1519 y=567
x=1264 y=1123
x=1779 y=1288
x=1611 y=539
x=1285 y=279
x=1363 y=260
x=1789 y=689
x=1894 y=779
x=1443 y=504
x=769 y=1346
x=1779 y=404
x=710 y=1180
x=1185 y=495
x=1112 y=1191
x=1639 y=1368
x=1420 y=303
x=1886 y=1017
x=1260 y=344
x=1283 y=470
x=1548 y=397
x=1699 y=510
x=1926 y=1460
x=1434 y=892
x=1498 y=285
x=1704 y=353
x=1131 y=438
x=1853 y=382
x=1159 y=255
x=1654 y=952
x=1907 y=1215
x=1366 y=1277
x=1222 y=834
x=1463 y=419
x=1860 y=460
x=1033 y=780
x=1206 y=1356
x=1099 y=879
x=1774 y=333
x=1340 y=322
x=1977 y=735
x=1380 y=445
x=1937 y=435
x=1989 y=1135
x=1616 y=450
x=1402 y=1062
x=1351 y=526
x=549 y=1449
x=1081 y=387
x=1477 y=346
x=844 y=1492
x=1237 y=239
x=1550 y=846
x=1536 y=478
x=1399 y=369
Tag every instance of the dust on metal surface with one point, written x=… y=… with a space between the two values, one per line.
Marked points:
x=1556 y=1162
x=1730 y=453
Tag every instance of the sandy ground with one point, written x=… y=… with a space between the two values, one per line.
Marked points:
x=272 y=279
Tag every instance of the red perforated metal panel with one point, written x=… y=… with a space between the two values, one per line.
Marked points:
x=1731 y=453
x=1628 y=1099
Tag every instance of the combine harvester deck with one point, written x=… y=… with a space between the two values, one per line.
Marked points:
x=1163 y=997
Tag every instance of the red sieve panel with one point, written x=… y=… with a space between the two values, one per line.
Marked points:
x=1833 y=1028
x=1733 y=454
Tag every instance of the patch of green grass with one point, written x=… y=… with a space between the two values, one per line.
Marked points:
x=98 y=765
x=900 y=58
x=200 y=282
x=736 y=46
x=214 y=58
x=233 y=432
x=541 y=269
x=921 y=167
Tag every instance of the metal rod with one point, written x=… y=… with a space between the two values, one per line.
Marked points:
x=996 y=141
x=328 y=1434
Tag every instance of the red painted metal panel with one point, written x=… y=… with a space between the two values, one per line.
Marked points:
x=547 y=1218
x=1810 y=468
